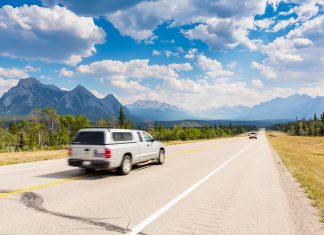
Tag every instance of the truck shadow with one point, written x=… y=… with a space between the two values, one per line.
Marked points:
x=95 y=175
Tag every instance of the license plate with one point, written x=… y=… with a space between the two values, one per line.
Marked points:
x=86 y=163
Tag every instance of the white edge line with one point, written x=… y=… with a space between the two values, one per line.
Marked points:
x=139 y=227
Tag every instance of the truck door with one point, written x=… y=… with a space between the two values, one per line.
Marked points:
x=149 y=145
x=144 y=150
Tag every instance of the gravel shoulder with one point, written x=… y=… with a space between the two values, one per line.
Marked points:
x=304 y=213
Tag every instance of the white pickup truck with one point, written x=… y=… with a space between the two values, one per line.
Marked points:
x=104 y=148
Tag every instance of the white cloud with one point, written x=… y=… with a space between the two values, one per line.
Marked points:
x=227 y=22
x=264 y=23
x=128 y=75
x=232 y=64
x=97 y=94
x=191 y=53
x=212 y=68
x=64 y=72
x=296 y=57
x=314 y=88
x=131 y=76
x=282 y=49
x=49 y=34
x=283 y=24
x=181 y=67
x=266 y=71
x=169 y=53
x=214 y=93
x=13 y=72
x=6 y=84
x=93 y=8
x=156 y=52
x=257 y=83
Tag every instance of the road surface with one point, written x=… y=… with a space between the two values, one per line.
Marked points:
x=225 y=186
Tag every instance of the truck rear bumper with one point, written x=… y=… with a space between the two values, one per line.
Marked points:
x=89 y=164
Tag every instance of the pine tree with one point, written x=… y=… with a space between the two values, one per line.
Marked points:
x=121 y=118
x=315 y=117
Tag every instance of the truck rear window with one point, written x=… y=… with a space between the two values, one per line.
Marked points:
x=90 y=138
x=122 y=136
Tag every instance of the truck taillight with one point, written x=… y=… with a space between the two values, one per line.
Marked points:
x=70 y=152
x=108 y=153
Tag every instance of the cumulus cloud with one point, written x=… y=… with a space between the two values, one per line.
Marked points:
x=212 y=68
x=223 y=92
x=223 y=33
x=257 y=83
x=282 y=49
x=97 y=94
x=50 y=34
x=169 y=54
x=131 y=76
x=156 y=52
x=181 y=67
x=128 y=75
x=296 y=56
x=221 y=24
x=64 y=72
x=6 y=84
x=283 y=24
x=264 y=23
x=314 y=88
x=13 y=72
x=191 y=53
x=93 y=8
x=266 y=71
x=232 y=64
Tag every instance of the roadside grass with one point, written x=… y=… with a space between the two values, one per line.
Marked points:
x=30 y=156
x=304 y=157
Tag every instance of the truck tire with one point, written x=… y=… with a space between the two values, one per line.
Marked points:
x=125 y=166
x=161 y=158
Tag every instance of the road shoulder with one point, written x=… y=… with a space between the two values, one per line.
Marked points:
x=306 y=216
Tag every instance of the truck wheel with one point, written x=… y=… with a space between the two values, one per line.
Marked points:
x=161 y=157
x=126 y=165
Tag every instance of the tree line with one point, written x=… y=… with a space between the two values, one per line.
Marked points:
x=304 y=127
x=46 y=129
x=193 y=133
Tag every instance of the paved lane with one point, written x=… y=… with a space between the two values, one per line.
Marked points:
x=226 y=186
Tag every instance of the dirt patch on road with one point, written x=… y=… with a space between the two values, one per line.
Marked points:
x=35 y=201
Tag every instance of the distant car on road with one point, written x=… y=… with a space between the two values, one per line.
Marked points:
x=104 y=148
x=253 y=135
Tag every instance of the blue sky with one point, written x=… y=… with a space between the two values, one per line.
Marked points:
x=195 y=54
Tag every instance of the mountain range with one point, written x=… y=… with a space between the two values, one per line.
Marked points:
x=157 y=111
x=297 y=105
x=29 y=94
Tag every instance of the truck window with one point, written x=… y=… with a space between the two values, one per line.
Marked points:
x=122 y=136
x=90 y=138
x=140 y=136
x=147 y=137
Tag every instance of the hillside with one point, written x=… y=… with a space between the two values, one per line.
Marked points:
x=29 y=94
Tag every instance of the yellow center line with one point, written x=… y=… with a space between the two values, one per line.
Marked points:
x=41 y=186
x=28 y=189
x=191 y=151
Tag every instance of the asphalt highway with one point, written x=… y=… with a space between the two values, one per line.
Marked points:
x=224 y=186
